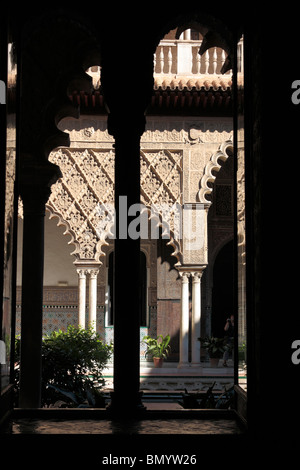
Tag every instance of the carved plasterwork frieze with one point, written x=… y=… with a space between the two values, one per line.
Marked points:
x=161 y=192
x=86 y=130
x=187 y=131
x=241 y=228
x=161 y=177
x=194 y=243
x=83 y=199
x=79 y=199
x=91 y=131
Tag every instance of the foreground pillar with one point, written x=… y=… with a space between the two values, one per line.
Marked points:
x=126 y=399
x=184 y=321
x=34 y=196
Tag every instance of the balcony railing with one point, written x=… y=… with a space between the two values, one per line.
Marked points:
x=181 y=58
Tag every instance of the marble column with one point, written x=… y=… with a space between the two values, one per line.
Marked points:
x=196 y=317
x=93 y=273
x=81 y=296
x=184 y=323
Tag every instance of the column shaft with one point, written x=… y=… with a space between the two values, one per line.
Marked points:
x=126 y=396
x=196 y=318
x=35 y=184
x=93 y=297
x=32 y=308
x=184 y=324
x=81 y=297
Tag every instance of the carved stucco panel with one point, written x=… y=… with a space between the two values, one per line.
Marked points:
x=86 y=130
x=75 y=199
x=83 y=199
x=195 y=234
x=187 y=131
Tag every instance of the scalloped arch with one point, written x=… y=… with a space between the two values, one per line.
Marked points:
x=173 y=242
x=156 y=217
x=62 y=222
x=213 y=165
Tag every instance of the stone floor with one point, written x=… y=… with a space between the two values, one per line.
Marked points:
x=165 y=421
x=159 y=425
x=172 y=378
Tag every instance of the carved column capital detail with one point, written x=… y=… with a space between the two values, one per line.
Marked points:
x=81 y=273
x=93 y=272
x=184 y=276
x=196 y=276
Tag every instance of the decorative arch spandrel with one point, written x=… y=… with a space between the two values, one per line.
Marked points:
x=213 y=166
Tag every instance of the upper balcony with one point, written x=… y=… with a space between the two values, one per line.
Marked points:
x=184 y=80
x=177 y=63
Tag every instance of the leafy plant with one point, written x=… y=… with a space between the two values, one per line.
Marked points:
x=157 y=347
x=242 y=352
x=214 y=346
x=72 y=365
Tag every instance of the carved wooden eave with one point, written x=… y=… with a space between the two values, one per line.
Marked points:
x=206 y=95
x=199 y=83
x=191 y=101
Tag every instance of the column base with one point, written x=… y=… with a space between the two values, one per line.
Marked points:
x=195 y=364
x=183 y=365
x=126 y=406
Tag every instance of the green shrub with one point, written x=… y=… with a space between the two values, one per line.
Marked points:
x=72 y=365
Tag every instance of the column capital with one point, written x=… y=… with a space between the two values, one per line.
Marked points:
x=41 y=174
x=195 y=271
x=35 y=185
x=184 y=275
x=93 y=272
x=117 y=127
x=81 y=272
x=196 y=276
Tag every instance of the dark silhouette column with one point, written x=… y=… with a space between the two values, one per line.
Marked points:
x=34 y=190
x=126 y=398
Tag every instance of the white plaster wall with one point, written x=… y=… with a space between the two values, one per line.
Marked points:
x=58 y=265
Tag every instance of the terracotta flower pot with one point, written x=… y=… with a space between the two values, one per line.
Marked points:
x=214 y=361
x=158 y=361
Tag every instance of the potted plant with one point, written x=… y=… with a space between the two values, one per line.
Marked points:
x=158 y=348
x=215 y=348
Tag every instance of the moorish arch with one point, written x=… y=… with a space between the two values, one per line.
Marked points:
x=83 y=199
x=83 y=202
x=222 y=286
x=213 y=166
